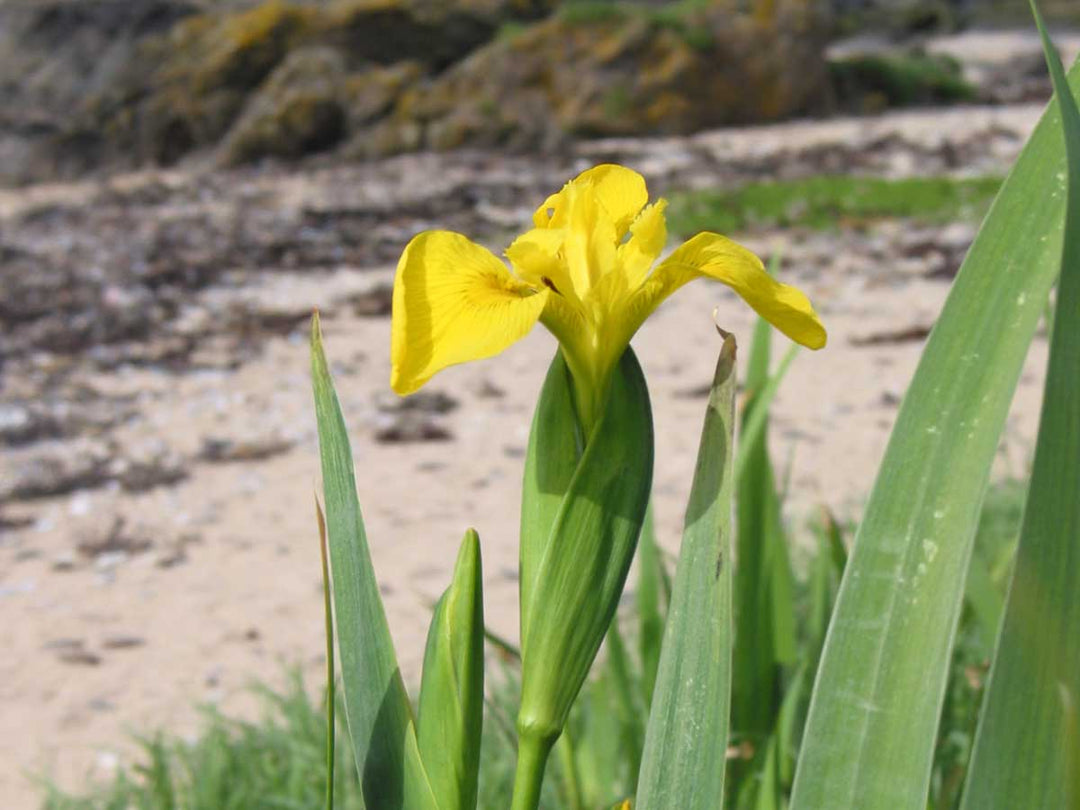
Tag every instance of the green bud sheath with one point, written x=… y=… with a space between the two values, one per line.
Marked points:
x=451 y=709
x=555 y=447
x=576 y=574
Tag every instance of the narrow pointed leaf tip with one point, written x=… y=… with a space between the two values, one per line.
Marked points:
x=683 y=763
x=377 y=707
x=451 y=711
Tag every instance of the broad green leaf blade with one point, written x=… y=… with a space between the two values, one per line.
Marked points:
x=584 y=565
x=873 y=719
x=555 y=447
x=1022 y=756
x=650 y=616
x=686 y=737
x=451 y=714
x=376 y=704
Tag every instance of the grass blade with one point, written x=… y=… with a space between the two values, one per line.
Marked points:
x=757 y=418
x=631 y=711
x=331 y=697
x=764 y=609
x=650 y=615
x=598 y=754
x=566 y=756
x=826 y=572
x=376 y=705
x=1022 y=755
x=874 y=713
x=686 y=737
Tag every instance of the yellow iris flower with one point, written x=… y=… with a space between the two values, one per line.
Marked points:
x=585 y=271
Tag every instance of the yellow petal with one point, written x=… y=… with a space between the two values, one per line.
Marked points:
x=544 y=216
x=648 y=234
x=717 y=257
x=454 y=301
x=621 y=191
x=537 y=258
x=591 y=239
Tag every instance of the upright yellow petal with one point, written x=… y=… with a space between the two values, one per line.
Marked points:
x=621 y=192
x=591 y=240
x=454 y=301
x=717 y=257
x=648 y=234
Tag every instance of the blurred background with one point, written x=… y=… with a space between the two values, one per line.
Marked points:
x=182 y=181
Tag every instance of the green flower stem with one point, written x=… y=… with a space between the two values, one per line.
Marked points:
x=533 y=752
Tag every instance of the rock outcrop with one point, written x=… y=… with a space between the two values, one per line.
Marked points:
x=615 y=74
x=118 y=84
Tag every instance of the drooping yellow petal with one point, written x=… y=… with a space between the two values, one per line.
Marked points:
x=454 y=301
x=717 y=257
x=621 y=192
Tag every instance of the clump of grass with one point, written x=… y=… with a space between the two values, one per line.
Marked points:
x=825 y=202
x=277 y=761
x=872 y=82
x=585 y=12
x=683 y=17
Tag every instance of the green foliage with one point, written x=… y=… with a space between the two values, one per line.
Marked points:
x=827 y=201
x=450 y=716
x=617 y=101
x=682 y=17
x=276 y=761
x=381 y=723
x=331 y=666
x=764 y=611
x=872 y=82
x=878 y=698
x=685 y=748
x=1025 y=752
x=586 y=12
